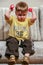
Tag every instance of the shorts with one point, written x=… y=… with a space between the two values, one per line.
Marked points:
x=13 y=45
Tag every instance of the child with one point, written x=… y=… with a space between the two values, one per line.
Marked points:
x=19 y=30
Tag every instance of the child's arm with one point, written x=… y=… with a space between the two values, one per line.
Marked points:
x=33 y=18
x=8 y=18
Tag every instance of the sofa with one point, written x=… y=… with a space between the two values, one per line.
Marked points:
x=36 y=30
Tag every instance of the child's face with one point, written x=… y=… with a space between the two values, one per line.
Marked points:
x=21 y=16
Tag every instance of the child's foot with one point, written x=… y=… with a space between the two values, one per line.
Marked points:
x=25 y=60
x=12 y=58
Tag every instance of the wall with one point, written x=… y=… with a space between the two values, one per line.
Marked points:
x=6 y=3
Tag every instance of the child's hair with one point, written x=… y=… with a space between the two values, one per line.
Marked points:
x=22 y=6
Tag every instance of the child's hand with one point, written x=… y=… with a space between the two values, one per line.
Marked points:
x=12 y=7
x=33 y=18
x=30 y=9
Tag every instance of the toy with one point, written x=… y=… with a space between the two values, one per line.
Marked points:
x=11 y=7
x=30 y=9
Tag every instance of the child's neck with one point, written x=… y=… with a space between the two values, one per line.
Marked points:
x=21 y=20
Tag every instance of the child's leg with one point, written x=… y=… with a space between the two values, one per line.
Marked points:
x=27 y=49
x=27 y=54
x=12 y=47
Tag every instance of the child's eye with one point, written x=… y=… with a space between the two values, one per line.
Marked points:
x=24 y=14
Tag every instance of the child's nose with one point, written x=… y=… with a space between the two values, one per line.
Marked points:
x=20 y=12
x=22 y=16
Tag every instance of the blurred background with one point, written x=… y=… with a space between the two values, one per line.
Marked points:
x=6 y=3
